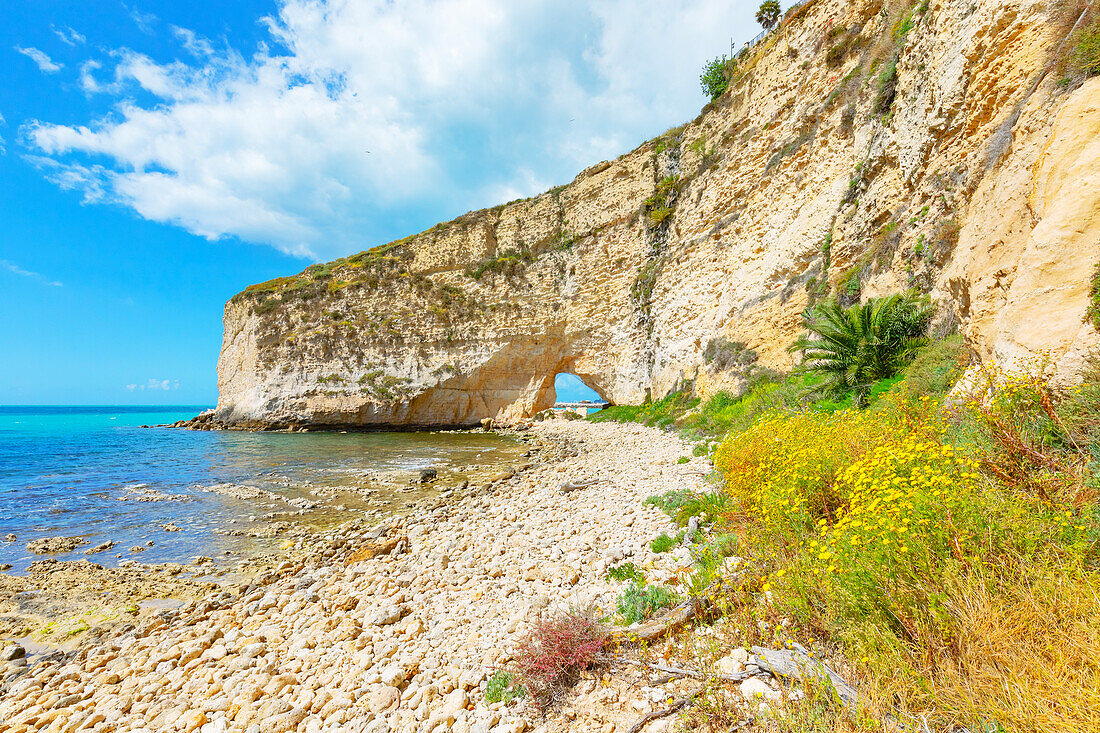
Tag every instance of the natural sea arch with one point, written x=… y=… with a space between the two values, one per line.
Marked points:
x=569 y=387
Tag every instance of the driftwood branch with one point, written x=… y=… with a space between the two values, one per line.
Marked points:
x=577 y=485
x=797 y=664
x=671 y=620
x=677 y=672
x=663 y=712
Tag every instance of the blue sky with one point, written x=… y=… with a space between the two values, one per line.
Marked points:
x=157 y=157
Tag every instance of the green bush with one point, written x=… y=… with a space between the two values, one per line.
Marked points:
x=936 y=368
x=716 y=76
x=639 y=602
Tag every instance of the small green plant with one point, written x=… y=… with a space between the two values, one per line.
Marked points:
x=664 y=543
x=502 y=687
x=670 y=501
x=659 y=216
x=1092 y=314
x=628 y=571
x=902 y=27
x=639 y=602
x=682 y=459
x=1086 y=51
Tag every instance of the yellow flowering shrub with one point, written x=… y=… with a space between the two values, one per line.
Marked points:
x=941 y=549
x=904 y=501
x=912 y=516
x=784 y=469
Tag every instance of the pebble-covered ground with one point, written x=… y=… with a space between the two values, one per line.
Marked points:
x=402 y=641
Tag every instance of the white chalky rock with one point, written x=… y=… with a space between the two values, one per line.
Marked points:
x=754 y=688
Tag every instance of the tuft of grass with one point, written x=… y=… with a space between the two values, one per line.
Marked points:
x=887 y=88
x=626 y=572
x=639 y=602
x=502 y=687
x=664 y=543
x=670 y=501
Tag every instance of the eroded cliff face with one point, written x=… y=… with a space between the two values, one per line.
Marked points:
x=822 y=171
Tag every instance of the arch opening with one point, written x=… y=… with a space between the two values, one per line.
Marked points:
x=573 y=394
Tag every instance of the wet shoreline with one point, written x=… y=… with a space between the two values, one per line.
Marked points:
x=49 y=603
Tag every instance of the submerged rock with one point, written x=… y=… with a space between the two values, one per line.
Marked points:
x=101 y=547
x=54 y=545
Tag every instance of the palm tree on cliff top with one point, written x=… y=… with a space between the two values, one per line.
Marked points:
x=768 y=14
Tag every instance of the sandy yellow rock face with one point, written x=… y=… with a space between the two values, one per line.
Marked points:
x=1023 y=272
x=803 y=181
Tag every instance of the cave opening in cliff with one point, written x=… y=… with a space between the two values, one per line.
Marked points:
x=569 y=389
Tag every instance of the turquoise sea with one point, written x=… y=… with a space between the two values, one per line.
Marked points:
x=93 y=472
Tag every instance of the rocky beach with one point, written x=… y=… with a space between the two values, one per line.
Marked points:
x=395 y=627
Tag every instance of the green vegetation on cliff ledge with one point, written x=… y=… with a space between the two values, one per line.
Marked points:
x=934 y=550
x=1086 y=50
x=1092 y=314
x=368 y=268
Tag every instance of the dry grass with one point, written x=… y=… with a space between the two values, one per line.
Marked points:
x=1026 y=660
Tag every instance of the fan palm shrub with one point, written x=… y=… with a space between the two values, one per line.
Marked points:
x=768 y=14
x=854 y=347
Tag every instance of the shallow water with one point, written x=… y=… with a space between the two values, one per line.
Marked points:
x=92 y=471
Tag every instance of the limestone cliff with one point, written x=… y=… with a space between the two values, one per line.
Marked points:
x=863 y=147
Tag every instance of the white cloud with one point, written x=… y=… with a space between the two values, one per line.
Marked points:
x=68 y=35
x=155 y=385
x=360 y=120
x=16 y=269
x=45 y=63
x=144 y=21
x=196 y=44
